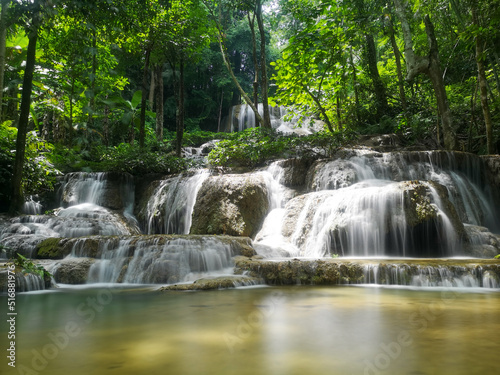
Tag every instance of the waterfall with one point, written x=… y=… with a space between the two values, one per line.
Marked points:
x=269 y=242
x=155 y=259
x=31 y=206
x=362 y=204
x=419 y=204
x=170 y=207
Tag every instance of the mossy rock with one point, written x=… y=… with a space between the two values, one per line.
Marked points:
x=211 y=283
x=51 y=248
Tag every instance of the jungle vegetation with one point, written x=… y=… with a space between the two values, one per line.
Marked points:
x=123 y=85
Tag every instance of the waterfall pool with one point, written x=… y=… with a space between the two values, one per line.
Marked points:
x=256 y=330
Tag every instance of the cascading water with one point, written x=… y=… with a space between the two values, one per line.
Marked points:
x=90 y=205
x=242 y=117
x=170 y=207
x=357 y=209
x=151 y=259
x=364 y=204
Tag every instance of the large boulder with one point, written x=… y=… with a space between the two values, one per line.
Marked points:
x=331 y=175
x=235 y=205
x=73 y=270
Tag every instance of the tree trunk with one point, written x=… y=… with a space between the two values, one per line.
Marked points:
x=265 y=102
x=414 y=64
x=92 y=81
x=17 y=198
x=159 y=102
x=483 y=87
x=142 y=125
x=152 y=87
x=3 y=37
x=105 y=124
x=355 y=85
x=180 y=111
x=321 y=108
x=339 y=114
x=236 y=60
x=71 y=95
x=378 y=85
x=431 y=67
x=235 y=80
x=399 y=70
x=251 y=23
x=436 y=75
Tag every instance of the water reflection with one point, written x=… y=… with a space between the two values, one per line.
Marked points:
x=293 y=330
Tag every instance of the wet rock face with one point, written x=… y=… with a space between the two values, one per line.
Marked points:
x=331 y=175
x=492 y=166
x=73 y=270
x=235 y=205
x=294 y=172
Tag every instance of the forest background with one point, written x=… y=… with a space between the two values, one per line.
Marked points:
x=115 y=85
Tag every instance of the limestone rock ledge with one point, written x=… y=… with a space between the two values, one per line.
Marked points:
x=415 y=272
x=218 y=282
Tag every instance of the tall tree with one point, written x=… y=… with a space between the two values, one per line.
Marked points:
x=32 y=28
x=215 y=10
x=482 y=81
x=429 y=65
x=3 y=36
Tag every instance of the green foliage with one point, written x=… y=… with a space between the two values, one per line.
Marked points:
x=28 y=266
x=39 y=174
x=139 y=161
x=255 y=146
x=153 y=158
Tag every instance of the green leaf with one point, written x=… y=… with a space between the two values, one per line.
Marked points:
x=136 y=99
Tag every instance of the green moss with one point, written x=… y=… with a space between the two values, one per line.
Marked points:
x=50 y=249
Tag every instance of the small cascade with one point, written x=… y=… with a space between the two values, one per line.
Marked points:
x=91 y=204
x=461 y=276
x=154 y=259
x=29 y=282
x=31 y=206
x=199 y=153
x=421 y=273
x=461 y=174
x=373 y=218
x=83 y=188
x=242 y=117
x=24 y=282
x=110 y=190
x=170 y=207
x=269 y=242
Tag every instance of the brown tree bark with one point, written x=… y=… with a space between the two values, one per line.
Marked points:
x=251 y=23
x=3 y=38
x=435 y=73
x=429 y=65
x=145 y=74
x=17 y=197
x=159 y=102
x=264 y=86
x=483 y=87
x=399 y=69
x=180 y=111
x=378 y=85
